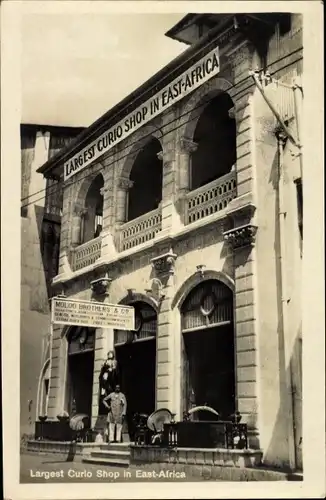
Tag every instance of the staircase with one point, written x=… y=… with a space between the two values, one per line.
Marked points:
x=109 y=454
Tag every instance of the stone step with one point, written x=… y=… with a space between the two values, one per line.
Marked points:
x=110 y=454
x=89 y=459
x=115 y=446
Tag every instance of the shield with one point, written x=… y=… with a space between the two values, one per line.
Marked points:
x=158 y=418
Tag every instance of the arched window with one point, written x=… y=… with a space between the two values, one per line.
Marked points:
x=215 y=136
x=145 y=194
x=208 y=348
x=92 y=221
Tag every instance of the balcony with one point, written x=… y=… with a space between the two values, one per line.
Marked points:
x=211 y=198
x=140 y=230
x=86 y=254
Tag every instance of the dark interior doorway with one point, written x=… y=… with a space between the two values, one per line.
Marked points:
x=137 y=365
x=81 y=368
x=209 y=376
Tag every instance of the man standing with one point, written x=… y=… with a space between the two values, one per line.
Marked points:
x=117 y=405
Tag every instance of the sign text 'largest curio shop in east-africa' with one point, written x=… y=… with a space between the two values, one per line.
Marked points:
x=196 y=75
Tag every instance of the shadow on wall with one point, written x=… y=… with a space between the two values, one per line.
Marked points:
x=275 y=453
x=278 y=448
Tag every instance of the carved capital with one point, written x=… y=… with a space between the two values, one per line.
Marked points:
x=160 y=155
x=187 y=145
x=164 y=264
x=101 y=285
x=125 y=183
x=242 y=236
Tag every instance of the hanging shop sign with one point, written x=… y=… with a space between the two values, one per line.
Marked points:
x=92 y=314
x=196 y=75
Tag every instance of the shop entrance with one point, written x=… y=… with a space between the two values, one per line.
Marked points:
x=208 y=349
x=80 y=370
x=136 y=357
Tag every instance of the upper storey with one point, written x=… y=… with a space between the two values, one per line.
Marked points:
x=173 y=154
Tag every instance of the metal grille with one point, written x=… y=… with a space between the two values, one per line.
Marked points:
x=209 y=304
x=145 y=323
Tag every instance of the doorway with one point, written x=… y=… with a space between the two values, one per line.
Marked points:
x=207 y=346
x=209 y=370
x=137 y=365
x=81 y=368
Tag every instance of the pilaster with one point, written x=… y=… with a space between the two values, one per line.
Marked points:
x=163 y=267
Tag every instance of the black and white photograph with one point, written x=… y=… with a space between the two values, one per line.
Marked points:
x=162 y=240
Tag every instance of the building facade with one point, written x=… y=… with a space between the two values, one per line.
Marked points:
x=184 y=219
x=40 y=237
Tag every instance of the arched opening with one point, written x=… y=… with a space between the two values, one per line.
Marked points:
x=92 y=220
x=79 y=387
x=145 y=194
x=43 y=389
x=208 y=374
x=215 y=136
x=136 y=357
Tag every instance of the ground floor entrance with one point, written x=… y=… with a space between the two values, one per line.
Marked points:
x=209 y=377
x=80 y=371
x=137 y=366
x=208 y=351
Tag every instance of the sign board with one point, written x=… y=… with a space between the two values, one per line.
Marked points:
x=92 y=314
x=196 y=75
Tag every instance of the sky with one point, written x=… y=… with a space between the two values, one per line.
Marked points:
x=74 y=67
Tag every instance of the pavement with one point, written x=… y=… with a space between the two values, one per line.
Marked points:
x=54 y=468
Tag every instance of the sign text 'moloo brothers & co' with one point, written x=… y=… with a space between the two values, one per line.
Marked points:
x=196 y=75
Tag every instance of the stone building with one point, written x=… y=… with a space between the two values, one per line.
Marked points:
x=184 y=219
x=40 y=240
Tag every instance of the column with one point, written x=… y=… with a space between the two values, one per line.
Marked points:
x=77 y=225
x=163 y=266
x=187 y=147
x=242 y=238
x=58 y=367
x=124 y=185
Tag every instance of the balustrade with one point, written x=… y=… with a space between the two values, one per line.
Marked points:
x=86 y=254
x=210 y=198
x=140 y=230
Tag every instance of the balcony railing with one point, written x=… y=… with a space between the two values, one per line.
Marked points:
x=140 y=230
x=86 y=254
x=210 y=198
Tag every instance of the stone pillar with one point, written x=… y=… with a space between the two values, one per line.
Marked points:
x=104 y=342
x=187 y=147
x=241 y=238
x=124 y=185
x=58 y=367
x=163 y=266
x=77 y=225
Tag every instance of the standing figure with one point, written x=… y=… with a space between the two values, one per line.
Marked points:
x=108 y=379
x=117 y=405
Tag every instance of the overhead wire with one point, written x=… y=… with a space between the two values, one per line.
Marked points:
x=49 y=191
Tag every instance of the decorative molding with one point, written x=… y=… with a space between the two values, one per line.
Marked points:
x=100 y=286
x=188 y=145
x=160 y=155
x=125 y=183
x=164 y=264
x=241 y=236
x=201 y=270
